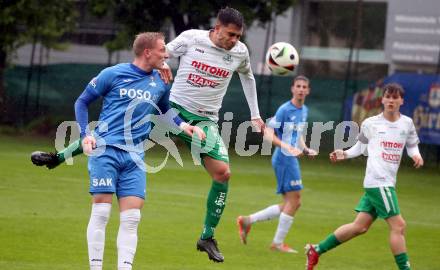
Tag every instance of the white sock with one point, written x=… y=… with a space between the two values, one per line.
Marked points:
x=268 y=213
x=96 y=234
x=127 y=238
x=283 y=228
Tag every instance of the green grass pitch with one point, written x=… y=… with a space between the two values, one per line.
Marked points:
x=44 y=214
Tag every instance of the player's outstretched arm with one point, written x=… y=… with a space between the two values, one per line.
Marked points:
x=269 y=135
x=247 y=80
x=339 y=154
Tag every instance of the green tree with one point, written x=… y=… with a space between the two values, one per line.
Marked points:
x=31 y=21
x=138 y=15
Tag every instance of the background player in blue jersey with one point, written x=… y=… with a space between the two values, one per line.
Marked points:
x=287 y=126
x=130 y=92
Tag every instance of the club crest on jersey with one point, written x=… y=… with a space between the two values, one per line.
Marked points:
x=227 y=58
x=152 y=83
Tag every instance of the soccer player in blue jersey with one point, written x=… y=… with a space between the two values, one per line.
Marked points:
x=130 y=92
x=287 y=126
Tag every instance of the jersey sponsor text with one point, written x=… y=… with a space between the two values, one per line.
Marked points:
x=135 y=93
x=215 y=71
x=199 y=81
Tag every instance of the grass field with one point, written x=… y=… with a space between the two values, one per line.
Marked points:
x=44 y=214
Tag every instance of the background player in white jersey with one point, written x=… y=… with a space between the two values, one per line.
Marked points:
x=208 y=60
x=287 y=125
x=385 y=135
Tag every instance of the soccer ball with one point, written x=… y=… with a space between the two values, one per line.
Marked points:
x=282 y=58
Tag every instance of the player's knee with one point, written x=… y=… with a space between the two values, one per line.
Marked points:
x=222 y=175
x=103 y=198
x=399 y=227
x=100 y=214
x=360 y=229
x=298 y=205
x=227 y=175
x=129 y=219
x=290 y=208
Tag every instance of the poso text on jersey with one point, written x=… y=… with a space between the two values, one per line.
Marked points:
x=135 y=93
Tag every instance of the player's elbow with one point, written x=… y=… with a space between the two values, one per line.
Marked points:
x=77 y=104
x=80 y=105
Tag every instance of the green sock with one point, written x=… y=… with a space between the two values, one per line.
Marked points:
x=72 y=150
x=215 y=204
x=402 y=261
x=330 y=242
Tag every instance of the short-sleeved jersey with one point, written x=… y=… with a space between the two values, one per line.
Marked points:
x=129 y=95
x=204 y=72
x=386 y=141
x=288 y=124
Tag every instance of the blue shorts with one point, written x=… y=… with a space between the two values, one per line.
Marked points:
x=116 y=171
x=288 y=176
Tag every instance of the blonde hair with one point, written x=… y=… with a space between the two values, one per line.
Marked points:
x=146 y=40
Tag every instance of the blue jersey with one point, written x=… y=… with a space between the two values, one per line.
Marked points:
x=288 y=124
x=129 y=95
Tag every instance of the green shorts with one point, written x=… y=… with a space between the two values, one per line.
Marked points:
x=213 y=146
x=379 y=202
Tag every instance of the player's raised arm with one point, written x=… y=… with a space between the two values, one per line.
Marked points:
x=82 y=117
x=179 y=46
x=169 y=116
x=165 y=73
x=97 y=87
x=250 y=91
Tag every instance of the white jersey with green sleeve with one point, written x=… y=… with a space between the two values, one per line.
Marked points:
x=205 y=71
x=386 y=141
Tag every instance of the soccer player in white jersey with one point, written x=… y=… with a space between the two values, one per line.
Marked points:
x=287 y=125
x=207 y=61
x=385 y=135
